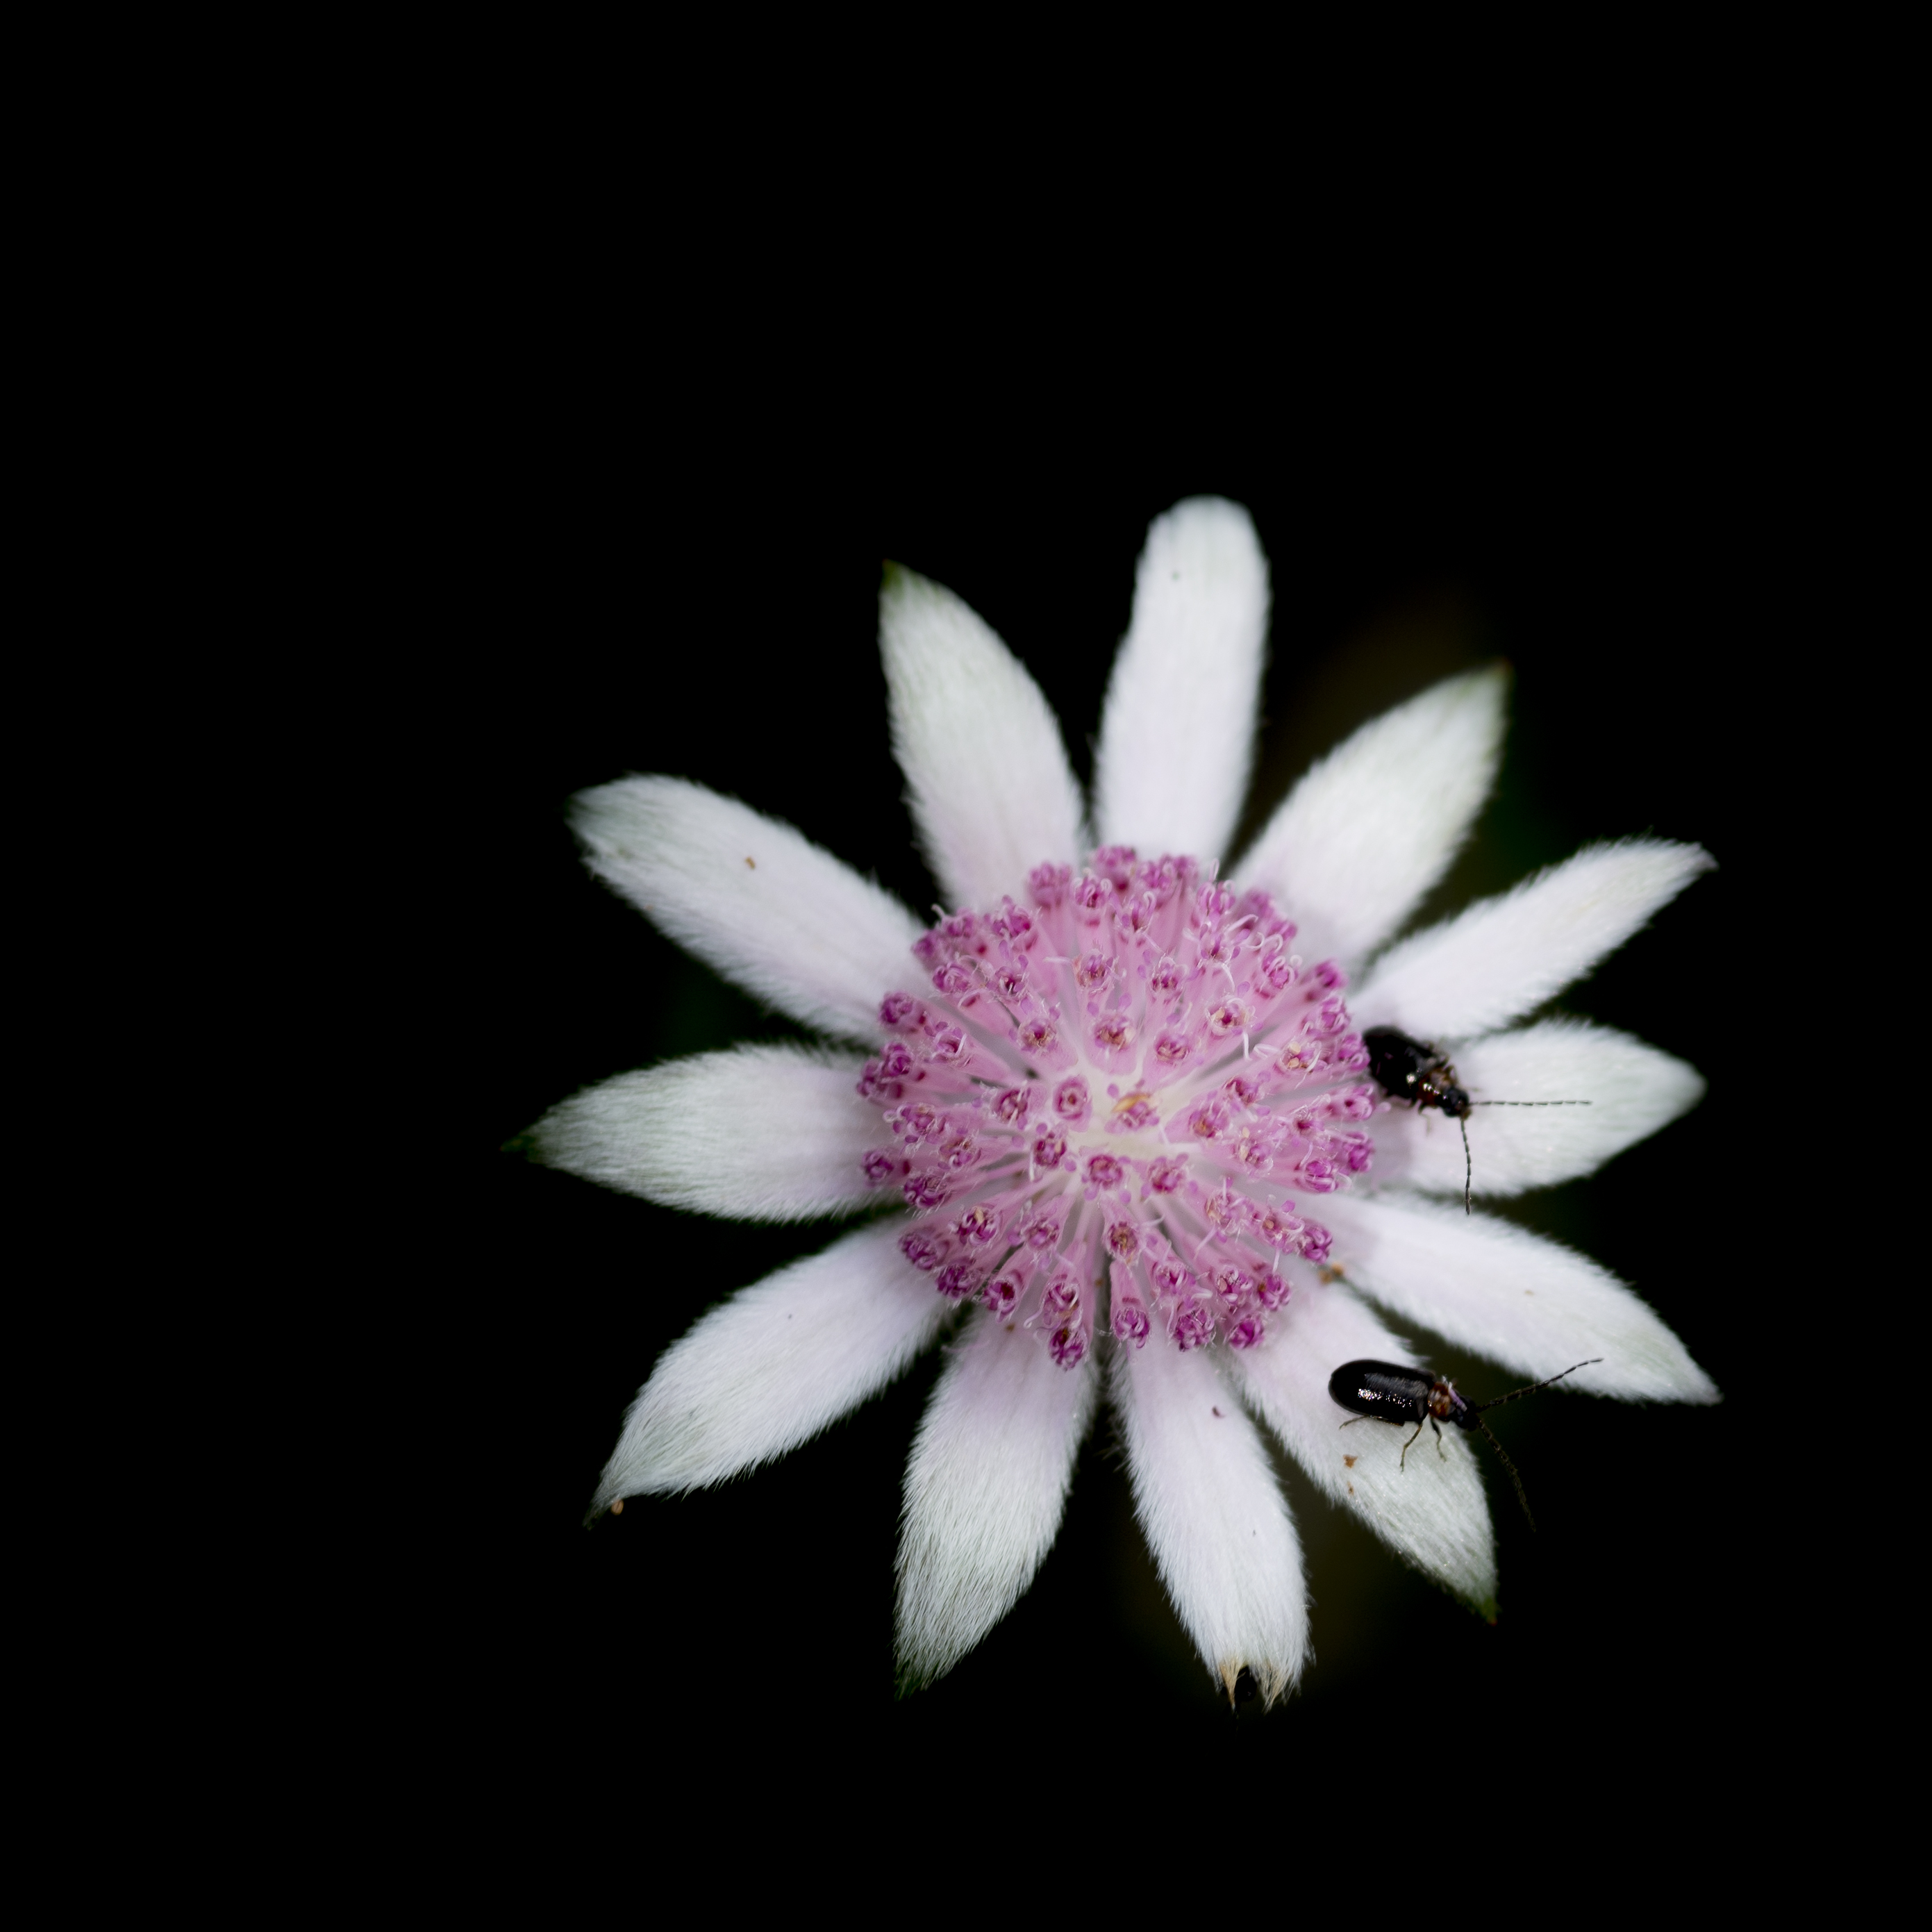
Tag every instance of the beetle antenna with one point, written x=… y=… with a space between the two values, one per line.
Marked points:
x=1534 y=1387
x=1520 y=1496
x=1462 y=1121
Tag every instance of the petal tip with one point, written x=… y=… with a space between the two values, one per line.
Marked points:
x=1676 y=857
x=909 y=1677
x=1270 y=1681
x=1198 y=516
x=899 y=586
x=1703 y=1393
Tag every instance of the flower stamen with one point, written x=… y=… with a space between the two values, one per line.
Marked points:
x=1028 y=1196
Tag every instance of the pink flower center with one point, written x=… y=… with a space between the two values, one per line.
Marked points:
x=1110 y=1099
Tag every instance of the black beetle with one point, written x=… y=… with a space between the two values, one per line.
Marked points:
x=1388 y=1391
x=1406 y=1069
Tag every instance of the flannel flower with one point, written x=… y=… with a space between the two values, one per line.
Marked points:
x=1116 y=1109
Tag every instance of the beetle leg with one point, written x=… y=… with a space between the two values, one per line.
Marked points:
x=1401 y=1461
x=1439 y=1449
x=1354 y=1419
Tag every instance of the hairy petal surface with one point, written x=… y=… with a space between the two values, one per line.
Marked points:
x=1433 y=1513
x=1632 y=1090
x=774 y=1365
x=1176 y=737
x=1504 y=955
x=992 y=792
x=1512 y=1296
x=1213 y=1515
x=751 y=897
x=1369 y=829
x=761 y=1133
x=985 y=1490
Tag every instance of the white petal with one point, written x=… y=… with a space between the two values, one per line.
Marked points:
x=761 y=1133
x=992 y=792
x=1213 y=1515
x=1504 y=955
x=1432 y=1511
x=985 y=1489
x=752 y=898
x=1176 y=737
x=774 y=1365
x=1504 y=1293
x=1632 y=1090
x=1371 y=828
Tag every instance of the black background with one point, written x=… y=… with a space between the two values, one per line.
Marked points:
x=689 y=587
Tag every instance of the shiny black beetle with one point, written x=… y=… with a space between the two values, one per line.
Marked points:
x=1390 y=1393
x=1406 y=1069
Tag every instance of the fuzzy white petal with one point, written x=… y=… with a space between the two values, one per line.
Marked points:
x=1369 y=829
x=1433 y=1512
x=991 y=790
x=1177 y=737
x=752 y=898
x=985 y=1489
x=1502 y=956
x=1511 y=1296
x=1213 y=1515
x=779 y=1362
x=1631 y=1091
x=761 y=1133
